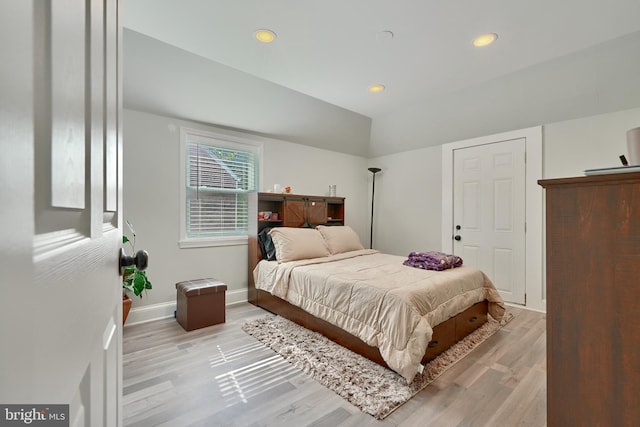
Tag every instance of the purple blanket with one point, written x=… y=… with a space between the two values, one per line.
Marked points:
x=433 y=261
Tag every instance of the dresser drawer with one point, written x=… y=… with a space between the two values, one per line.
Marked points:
x=444 y=336
x=471 y=319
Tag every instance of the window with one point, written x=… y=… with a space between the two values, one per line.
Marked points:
x=218 y=174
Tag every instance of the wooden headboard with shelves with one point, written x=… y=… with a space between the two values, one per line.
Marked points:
x=291 y=210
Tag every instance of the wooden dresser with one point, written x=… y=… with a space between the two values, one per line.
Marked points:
x=593 y=300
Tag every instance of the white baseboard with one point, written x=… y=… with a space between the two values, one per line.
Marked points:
x=149 y=313
x=508 y=304
x=236 y=297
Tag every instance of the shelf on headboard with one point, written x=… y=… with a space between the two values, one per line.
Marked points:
x=293 y=210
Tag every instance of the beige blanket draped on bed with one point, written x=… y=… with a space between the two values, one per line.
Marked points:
x=373 y=296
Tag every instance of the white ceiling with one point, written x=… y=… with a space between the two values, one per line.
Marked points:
x=331 y=49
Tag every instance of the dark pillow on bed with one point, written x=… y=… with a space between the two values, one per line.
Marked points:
x=266 y=245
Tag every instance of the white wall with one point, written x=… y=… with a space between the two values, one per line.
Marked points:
x=408 y=193
x=408 y=190
x=152 y=203
x=572 y=146
x=407 y=201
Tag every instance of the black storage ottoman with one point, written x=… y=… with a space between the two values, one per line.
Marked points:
x=200 y=303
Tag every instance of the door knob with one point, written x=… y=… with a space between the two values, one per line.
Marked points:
x=140 y=260
x=457 y=237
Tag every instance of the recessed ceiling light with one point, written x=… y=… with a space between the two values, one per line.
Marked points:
x=265 y=36
x=485 y=39
x=376 y=88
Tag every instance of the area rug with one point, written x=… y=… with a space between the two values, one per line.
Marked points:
x=365 y=384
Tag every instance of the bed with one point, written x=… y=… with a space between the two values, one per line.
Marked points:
x=398 y=316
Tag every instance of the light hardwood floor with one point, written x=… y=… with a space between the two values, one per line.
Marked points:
x=220 y=376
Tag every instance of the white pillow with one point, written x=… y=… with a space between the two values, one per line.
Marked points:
x=340 y=238
x=298 y=243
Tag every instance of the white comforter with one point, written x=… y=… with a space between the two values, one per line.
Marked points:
x=374 y=297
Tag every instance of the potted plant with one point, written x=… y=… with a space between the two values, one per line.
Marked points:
x=133 y=279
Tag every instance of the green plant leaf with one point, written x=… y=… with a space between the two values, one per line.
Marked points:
x=136 y=281
x=139 y=282
x=128 y=276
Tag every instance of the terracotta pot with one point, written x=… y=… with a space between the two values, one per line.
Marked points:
x=126 y=306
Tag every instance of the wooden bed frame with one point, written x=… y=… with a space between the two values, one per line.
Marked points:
x=444 y=336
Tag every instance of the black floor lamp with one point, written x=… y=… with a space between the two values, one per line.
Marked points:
x=373 y=192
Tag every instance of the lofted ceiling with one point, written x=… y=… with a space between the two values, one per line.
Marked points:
x=553 y=60
x=334 y=49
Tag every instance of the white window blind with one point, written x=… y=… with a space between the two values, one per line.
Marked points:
x=218 y=181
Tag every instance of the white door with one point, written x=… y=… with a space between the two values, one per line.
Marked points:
x=60 y=300
x=489 y=213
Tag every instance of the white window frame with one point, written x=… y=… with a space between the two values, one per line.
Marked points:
x=219 y=140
